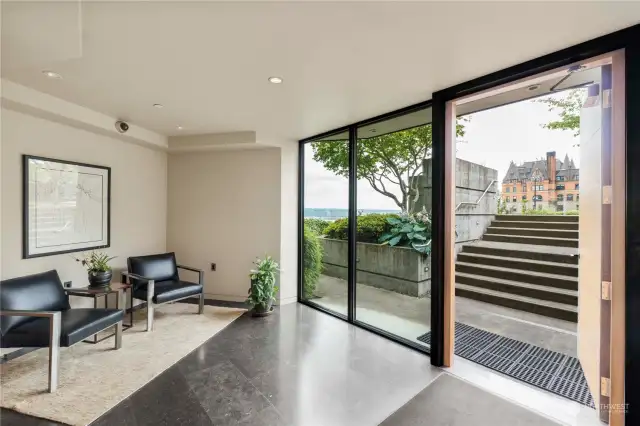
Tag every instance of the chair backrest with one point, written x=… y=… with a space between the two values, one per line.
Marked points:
x=158 y=267
x=38 y=292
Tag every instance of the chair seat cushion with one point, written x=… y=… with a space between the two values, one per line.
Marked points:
x=167 y=291
x=75 y=325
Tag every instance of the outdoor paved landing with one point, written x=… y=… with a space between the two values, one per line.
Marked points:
x=410 y=317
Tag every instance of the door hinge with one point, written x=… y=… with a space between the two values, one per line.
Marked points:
x=606 y=290
x=605 y=386
x=607 y=194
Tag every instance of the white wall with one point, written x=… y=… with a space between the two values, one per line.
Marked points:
x=224 y=207
x=138 y=191
x=289 y=223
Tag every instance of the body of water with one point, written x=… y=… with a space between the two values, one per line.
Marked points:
x=333 y=214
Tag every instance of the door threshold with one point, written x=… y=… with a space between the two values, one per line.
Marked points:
x=545 y=403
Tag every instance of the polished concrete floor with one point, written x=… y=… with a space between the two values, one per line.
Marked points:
x=301 y=367
x=410 y=317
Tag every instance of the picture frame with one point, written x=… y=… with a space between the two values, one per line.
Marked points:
x=66 y=206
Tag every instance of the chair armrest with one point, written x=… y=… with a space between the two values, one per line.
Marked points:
x=135 y=276
x=199 y=271
x=19 y=313
x=189 y=268
x=150 y=283
x=55 y=319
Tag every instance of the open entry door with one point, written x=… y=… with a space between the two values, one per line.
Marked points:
x=591 y=237
x=598 y=238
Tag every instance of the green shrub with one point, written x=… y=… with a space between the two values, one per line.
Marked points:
x=312 y=252
x=547 y=212
x=370 y=227
x=317 y=225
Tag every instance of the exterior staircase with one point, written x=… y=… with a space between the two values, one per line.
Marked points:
x=528 y=263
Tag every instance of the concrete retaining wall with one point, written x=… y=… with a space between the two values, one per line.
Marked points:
x=471 y=181
x=404 y=270
x=398 y=269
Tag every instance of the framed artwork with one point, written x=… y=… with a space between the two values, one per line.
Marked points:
x=66 y=206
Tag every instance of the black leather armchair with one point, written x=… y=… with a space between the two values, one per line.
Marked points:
x=155 y=279
x=35 y=313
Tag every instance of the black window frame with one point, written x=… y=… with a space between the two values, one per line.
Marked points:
x=628 y=39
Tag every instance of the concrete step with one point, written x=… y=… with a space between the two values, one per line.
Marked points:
x=535 y=291
x=569 y=226
x=537 y=218
x=541 y=241
x=538 y=253
x=531 y=277
x=541 y=307
x=553 y=233
x=521 y=264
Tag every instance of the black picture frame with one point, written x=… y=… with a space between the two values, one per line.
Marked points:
x=26 y=254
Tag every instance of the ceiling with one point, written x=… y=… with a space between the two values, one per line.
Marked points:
x=557 y=81
x=208 y=63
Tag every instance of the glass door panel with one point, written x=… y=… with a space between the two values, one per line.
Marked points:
x=326 y=212
x=394 y=226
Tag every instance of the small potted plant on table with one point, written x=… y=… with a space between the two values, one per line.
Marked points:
x=97 y=265
x=262 y=292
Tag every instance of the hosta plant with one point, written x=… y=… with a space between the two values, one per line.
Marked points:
x=410 y=231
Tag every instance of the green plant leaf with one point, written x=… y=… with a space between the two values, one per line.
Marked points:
x=386 y=237
x=394 y=221
x=407 y=228
x=395 y=240
x=419 y=237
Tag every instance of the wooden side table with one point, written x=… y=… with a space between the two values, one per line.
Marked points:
x=119 y=289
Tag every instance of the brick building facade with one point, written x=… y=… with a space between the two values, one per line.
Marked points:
x=542 y=184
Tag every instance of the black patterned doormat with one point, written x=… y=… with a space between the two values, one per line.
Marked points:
x=552 y=371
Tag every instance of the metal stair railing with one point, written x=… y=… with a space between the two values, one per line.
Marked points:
x=469 y=203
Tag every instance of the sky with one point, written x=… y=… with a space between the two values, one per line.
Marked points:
x=493 y=139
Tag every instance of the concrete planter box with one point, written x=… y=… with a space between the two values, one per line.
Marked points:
x=398 y=269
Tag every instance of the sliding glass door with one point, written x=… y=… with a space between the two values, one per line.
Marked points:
x=365 y=247
x=325 y=242
x=393 y=239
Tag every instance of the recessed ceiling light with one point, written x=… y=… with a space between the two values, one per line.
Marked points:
x=179 y=127
x=275 y=80
x=533 y=87
x=158 y=105
x=52 y=74
x=373 y=130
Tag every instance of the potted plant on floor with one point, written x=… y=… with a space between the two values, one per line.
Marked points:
x=262 y=292
x=97 y=265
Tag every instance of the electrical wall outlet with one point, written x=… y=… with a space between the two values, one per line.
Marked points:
x=213 y=266
x=67 y=284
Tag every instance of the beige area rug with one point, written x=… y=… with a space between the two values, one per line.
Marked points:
x=94 y=378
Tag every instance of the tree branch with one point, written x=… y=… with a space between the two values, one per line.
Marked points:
x=383 y=191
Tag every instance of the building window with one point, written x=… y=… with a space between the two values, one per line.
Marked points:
x=578 y=197
x=508 y=189
x=560 y=186
x=569 y=197
x=537 y=187
x=524 y=198
x=559 y=177
x=515 y=189
x=577 y=186
x=507 y=199
x=537 y=198
x=515 y=198
x=560 y=197
x=577 y=177
x=524 y=188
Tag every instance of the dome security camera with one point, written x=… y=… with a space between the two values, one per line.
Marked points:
x=122 y=127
